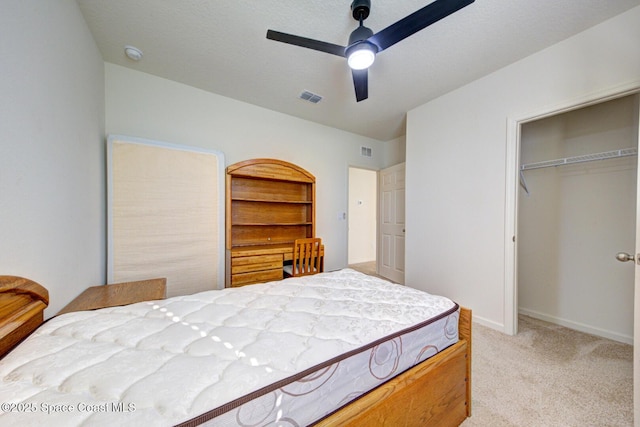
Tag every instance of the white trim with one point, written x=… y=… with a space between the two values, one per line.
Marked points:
x=487 y=323
x=597 y=97
x=514 y=123
x=510 y=316
x=627 y=339
x=636 y=308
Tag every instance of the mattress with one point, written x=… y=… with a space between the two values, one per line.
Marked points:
x=285 y=353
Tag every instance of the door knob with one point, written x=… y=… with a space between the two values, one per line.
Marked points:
x=624 y=257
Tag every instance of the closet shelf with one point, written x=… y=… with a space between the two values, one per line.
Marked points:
x=625 y=152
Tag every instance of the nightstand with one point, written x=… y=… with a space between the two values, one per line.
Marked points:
x=118 y=294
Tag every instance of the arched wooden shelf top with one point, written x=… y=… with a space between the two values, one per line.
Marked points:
x=270 y=169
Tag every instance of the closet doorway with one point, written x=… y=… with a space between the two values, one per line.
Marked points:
x=362 y=220
x=576 y=208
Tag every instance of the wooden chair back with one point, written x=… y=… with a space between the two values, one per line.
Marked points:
x=306 y=257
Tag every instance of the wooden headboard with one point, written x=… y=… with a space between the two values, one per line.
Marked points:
x=22 y=304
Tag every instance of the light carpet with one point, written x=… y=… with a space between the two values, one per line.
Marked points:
x=548 y=375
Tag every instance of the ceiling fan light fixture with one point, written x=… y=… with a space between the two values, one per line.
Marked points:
x=364 y=44
x=361 y=56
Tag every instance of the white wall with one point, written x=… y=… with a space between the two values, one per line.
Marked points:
x=52 y=207
x=457 y=166
x=145 y=106
x=577 y=217
x=394 y=152
x=362 y=215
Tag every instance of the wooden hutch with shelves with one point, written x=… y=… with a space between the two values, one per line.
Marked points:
x=269 y=204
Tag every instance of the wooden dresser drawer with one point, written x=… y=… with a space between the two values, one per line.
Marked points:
x=249 y=264
x=257 y=277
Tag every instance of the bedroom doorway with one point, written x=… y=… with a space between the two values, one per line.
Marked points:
x=362 y=220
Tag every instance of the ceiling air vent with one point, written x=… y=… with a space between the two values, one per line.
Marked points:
x=365 y=151
x=310 y=96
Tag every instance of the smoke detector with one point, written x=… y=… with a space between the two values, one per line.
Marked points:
x=133 y=53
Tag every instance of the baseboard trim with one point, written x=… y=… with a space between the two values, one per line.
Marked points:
x=627 y=339
x=488 y=323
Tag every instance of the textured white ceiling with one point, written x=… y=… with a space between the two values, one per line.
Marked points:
x=220 y=46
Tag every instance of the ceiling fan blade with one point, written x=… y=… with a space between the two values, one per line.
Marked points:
x=417 y=21
x=331 y=48
x=361 y=84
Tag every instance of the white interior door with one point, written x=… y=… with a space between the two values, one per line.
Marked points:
x=635 y=258
x=636 y=310
x=392 y=223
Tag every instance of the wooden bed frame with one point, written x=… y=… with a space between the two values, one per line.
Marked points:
x=436 y=392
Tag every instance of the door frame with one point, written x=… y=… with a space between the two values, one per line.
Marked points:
x=514 y=126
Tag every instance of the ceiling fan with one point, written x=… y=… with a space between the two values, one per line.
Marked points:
x=364 y=45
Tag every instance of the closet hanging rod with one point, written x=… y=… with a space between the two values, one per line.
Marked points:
x=624 y=152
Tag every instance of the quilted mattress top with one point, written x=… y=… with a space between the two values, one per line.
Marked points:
x=165 y=362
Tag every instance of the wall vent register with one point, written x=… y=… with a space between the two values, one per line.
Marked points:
x=365 y=151
x=311 y=97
